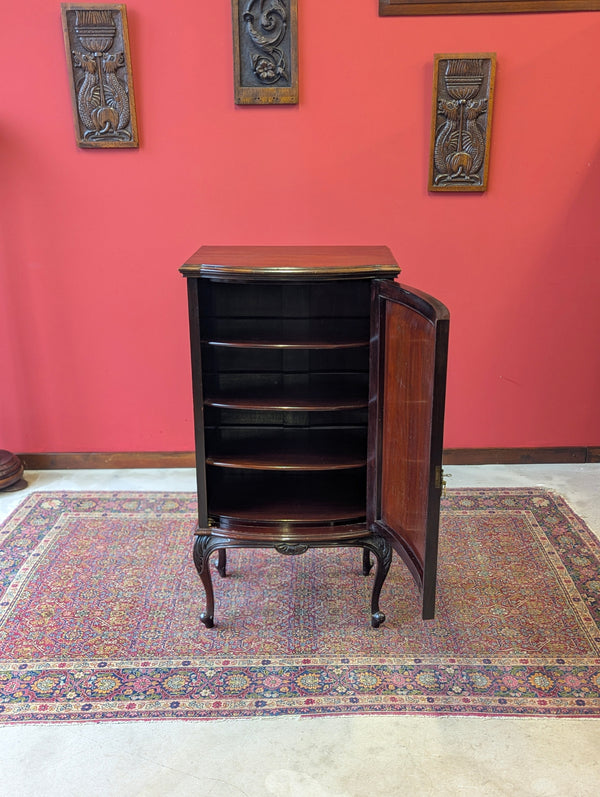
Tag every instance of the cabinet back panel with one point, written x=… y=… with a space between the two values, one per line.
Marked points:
x=307 y=338
x=281 y=330
x=324 y=383
x=335 y=299
x=218 y=359
x=338 y=496
x=330 y=441
x=219 y=417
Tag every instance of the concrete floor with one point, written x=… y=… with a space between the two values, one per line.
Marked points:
x=308 y=757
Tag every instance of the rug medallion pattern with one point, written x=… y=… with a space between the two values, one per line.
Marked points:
x=100 y=603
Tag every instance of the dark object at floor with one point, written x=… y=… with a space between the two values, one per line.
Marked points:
x=11 y=472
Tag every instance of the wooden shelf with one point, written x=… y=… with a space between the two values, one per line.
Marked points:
x=310 y=399
x=283 y=332
x=251 y=496
x=288 y=506
x=300 y=342
x=332 y=451
x=268 y=533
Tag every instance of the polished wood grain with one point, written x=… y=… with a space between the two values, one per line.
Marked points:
x=389 y=8
x=406 y=414
x=289 y=262
x=408 y=391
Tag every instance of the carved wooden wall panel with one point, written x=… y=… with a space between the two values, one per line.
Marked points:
x=97 y=45
x=265 y=51
x=463 y=93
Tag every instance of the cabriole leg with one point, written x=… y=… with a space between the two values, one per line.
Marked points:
x=202 y=551
x=383 y=552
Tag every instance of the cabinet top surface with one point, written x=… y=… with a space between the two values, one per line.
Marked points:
x=291 y=262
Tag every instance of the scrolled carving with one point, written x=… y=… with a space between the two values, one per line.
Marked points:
x=206 y=544
x=265 y=52
x=266 y=25
x=203 y=547
x=382 y=549
x=291 y=548
x=463 y=94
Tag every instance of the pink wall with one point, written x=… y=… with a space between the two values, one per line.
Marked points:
x=93 y=324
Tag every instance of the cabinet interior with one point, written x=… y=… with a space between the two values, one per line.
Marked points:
x=285 y=375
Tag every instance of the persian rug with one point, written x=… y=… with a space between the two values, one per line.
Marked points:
x=100 y=604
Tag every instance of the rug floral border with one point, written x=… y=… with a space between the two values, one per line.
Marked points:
x=93 y=691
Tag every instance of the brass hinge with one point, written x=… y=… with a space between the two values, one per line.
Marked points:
x=440 y=480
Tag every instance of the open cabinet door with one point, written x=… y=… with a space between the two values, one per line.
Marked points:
x=409 y=346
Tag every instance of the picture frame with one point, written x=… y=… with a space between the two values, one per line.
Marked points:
x=395 y=8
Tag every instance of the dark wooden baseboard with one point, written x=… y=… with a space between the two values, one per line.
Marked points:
x=119 y=459
x=187 y=459
x=521 y=456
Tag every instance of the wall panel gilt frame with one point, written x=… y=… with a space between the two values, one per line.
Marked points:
x=265 y=51
x=401 y=8
x=97 y=46
x=461 y=121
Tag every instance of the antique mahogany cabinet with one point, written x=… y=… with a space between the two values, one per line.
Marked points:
x=318 y=385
